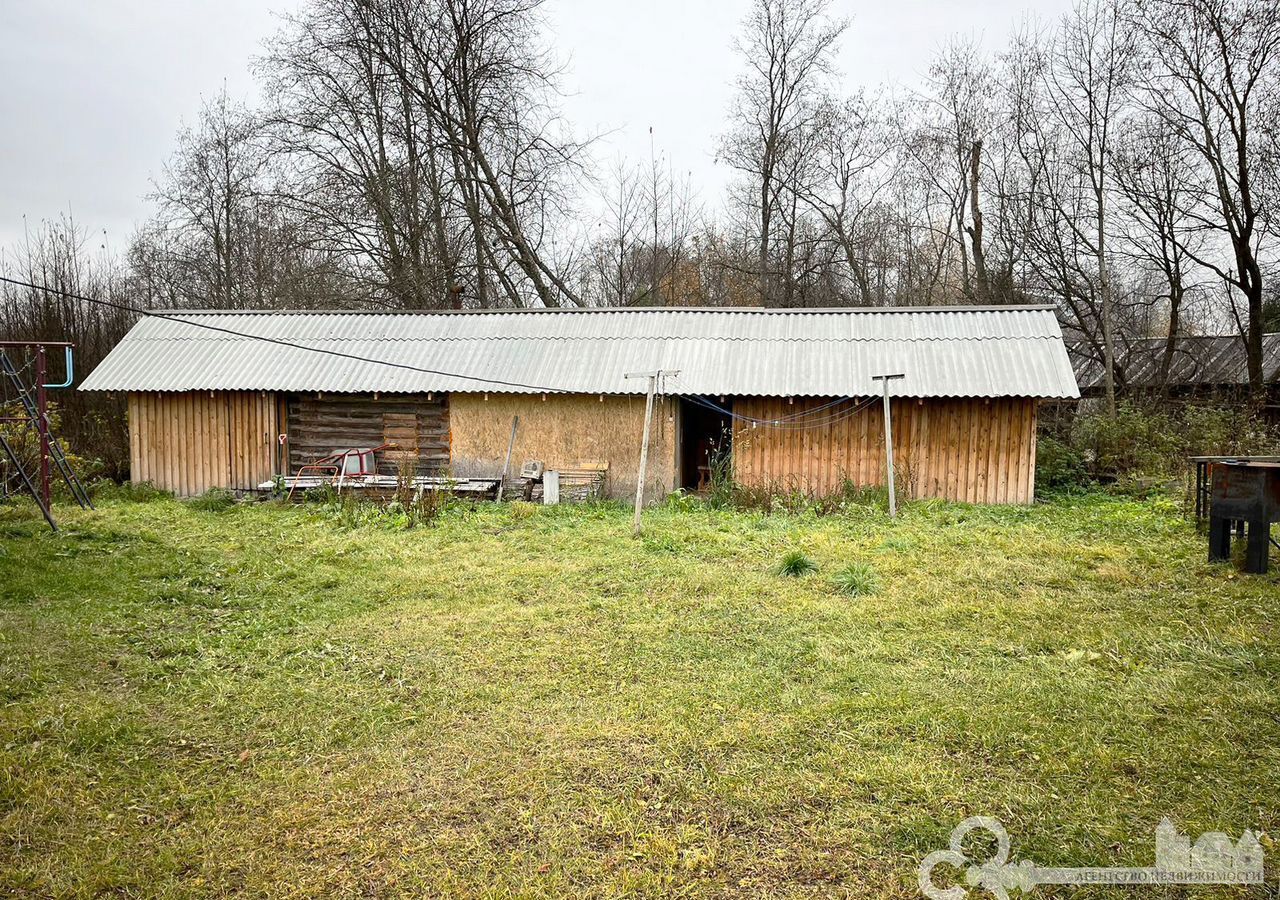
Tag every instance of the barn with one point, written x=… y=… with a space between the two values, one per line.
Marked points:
x=784 y=399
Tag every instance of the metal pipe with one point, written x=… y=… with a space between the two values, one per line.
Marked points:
x=70 y=372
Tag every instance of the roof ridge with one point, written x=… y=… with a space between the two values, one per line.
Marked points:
x=738 y=310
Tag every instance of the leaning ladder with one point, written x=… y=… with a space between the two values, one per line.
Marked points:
x=55 y=449
x=26 y=480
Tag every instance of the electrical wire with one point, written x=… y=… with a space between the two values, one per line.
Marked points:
x=177 y=314
x=791 y=422
x=788 y=424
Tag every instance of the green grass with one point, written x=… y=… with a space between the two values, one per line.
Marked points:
x=857 y=579
x=795 y=564
x=527 y=701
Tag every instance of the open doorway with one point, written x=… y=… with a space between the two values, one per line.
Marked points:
x=706 y=439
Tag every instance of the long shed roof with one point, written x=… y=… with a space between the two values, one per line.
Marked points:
x=1217 y=360
x=943 y=351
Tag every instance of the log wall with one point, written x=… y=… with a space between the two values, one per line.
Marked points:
x=190 y=442
x=418 y=426
x=971 y=450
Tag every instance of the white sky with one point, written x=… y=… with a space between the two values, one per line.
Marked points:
x=91 y=93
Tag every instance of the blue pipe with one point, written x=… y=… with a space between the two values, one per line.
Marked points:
x=70 y=373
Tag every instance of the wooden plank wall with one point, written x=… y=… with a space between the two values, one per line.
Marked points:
x=972 y=450
x=419 y=427
x=190 y=442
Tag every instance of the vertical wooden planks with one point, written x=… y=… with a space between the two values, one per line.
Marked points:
x=190 y=442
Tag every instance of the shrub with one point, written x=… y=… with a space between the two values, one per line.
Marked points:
x=1149 y=441
x=1059 y=466
x=1134 y=441
x=857 y=579
x=144 y=492
x=795 y=564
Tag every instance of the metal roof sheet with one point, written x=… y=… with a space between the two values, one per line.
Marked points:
x=944 y=352
x=1203 y=360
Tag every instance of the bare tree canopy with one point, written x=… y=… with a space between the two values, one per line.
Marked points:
x=1121 y=163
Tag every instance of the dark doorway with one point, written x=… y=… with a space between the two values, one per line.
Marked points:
x=706 y=440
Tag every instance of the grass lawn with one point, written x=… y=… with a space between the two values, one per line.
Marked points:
x=528 y=701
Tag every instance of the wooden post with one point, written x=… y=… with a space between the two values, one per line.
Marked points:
x=888 y=444
x=644 y=454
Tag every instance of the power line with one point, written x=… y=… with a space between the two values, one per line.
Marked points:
x=128 y=307
x=791 y=422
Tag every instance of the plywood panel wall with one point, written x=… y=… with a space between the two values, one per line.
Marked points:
x=972 y=450
x=190 y=442
x=566 y=430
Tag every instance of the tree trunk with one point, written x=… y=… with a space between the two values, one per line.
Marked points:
x=982 y=290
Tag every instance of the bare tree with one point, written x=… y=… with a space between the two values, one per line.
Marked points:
x=212 y=235
x=1211 y=77
x=787 y=46
x=941 y=132
x=1072 y=94
x=427 y=145
x=616 y=264
x=1153 y=173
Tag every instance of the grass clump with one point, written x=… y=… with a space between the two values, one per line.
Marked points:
x=857 y=579
x=104 y=489
x=213 y=500
x=795 y=564
x=521 y=510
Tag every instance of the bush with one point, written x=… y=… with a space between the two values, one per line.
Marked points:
x=1136 y=441
x=795 y=564
x=1059 y=466
x=856 y=580
x=1144 y=441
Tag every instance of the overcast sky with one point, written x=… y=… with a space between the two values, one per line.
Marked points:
x=92 y=92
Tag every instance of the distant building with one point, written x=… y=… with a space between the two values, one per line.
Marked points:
x=230 y=399
x=1210 y=366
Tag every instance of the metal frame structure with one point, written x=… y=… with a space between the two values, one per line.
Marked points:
x=36 y=409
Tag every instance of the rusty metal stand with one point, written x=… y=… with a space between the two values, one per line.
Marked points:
x=26 y=480
x=37 y=415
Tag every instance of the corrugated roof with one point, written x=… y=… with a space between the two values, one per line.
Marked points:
x=944 y=352
x=1201 y=360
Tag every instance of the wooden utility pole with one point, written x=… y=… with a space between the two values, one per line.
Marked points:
x=644 y=441
x=888 y=442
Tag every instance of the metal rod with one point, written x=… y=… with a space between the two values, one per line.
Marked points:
x=70 y=368
x=42 y=424
x=26 y=479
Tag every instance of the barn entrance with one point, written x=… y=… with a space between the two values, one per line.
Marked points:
x=706 y=440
